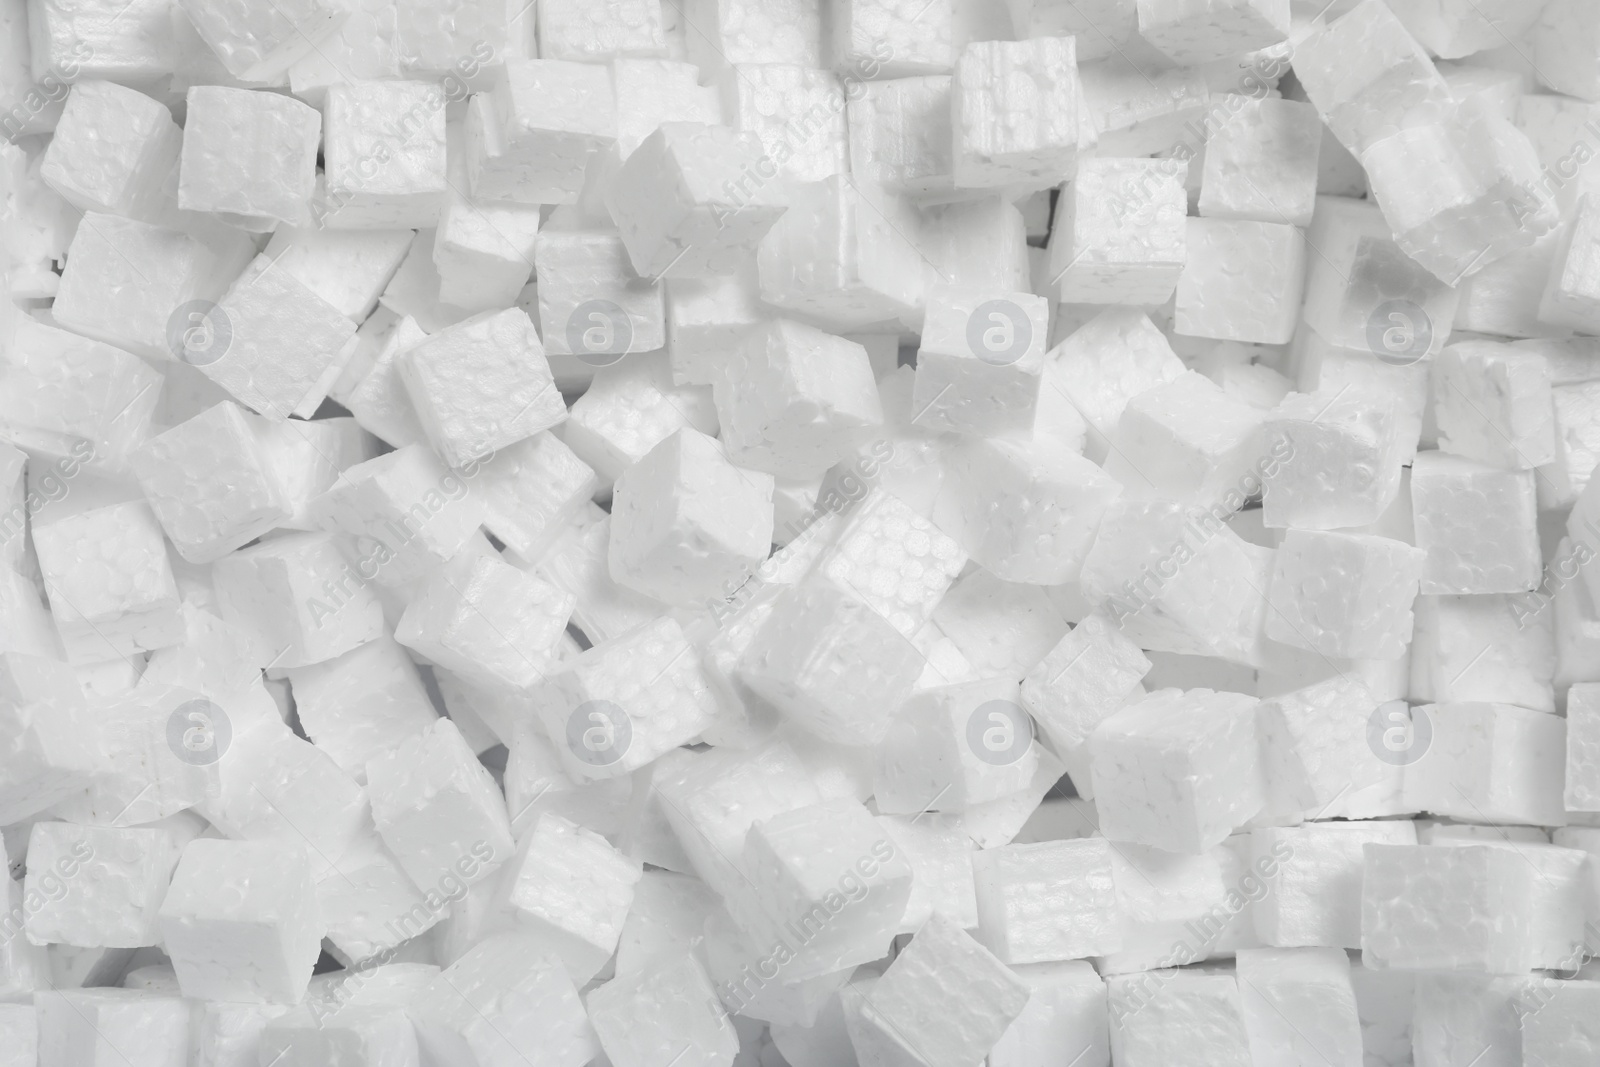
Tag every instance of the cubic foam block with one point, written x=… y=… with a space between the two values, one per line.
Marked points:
x=1162 y=443
x=763 y=97
x=1364 y=613
x=797 y=401
x=1465 y=907
x=1242 y=280
x=900 y=136
x=1316 y=894
x=1343 y=463
x=951 y=748
x=591 y=303
x=530 y=137
x=249 y=156
x=1119 y=236
x=669 y=1009
x=1490 y=762
x=1190 y=34
x=1052 y=900
x=1002 y=629
x=97 y=886
x=872 y=39
x=113 y=151
x=1492 y=403
x=1486 y=647
x=1108 y=361
x=384 y=155
x=1451 y=498
x=1191 y=1016
x=45 y=716
x=1299 y=1003
x=99 y=1027
x=1066 y=1011
x=1262 y=162
x=1034 y=83
x=531 y=490
x=631 y=407
x=893 y=559
x=1200 y=746
x=241 y=922
x=361 y=704
x=296 y=599
x=980 y=366
x=259 y=46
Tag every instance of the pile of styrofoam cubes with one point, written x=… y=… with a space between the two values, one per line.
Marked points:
x=826 y=533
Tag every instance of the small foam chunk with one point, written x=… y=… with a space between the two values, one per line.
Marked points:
x=93 y=1026
x=1192 y=1015
x=954 y=747
x=980 y=366
x=884 y=39
x=1177 y=770
x=1298 y=1004
x=1340 y=465
x=241 y=921
x=259 y=45
x=531 y=136
x=631 y=407
x=1316 y=888
x=1489 y=762
x=1477 y=524
x=113 y=151
x=1242 y=281
x=1119 y=236
x=1186 y=439
x=1053 y=900
x=1034 y=84
x=1344 y=594
x=1188 y=34
x=591 y=303
x=1108 y=361
x=1465 y=907
x=1262 y=162
x=96 y=886
x=384 y=155
x=1493 y=404
x=249 y=156
x=668 y=1009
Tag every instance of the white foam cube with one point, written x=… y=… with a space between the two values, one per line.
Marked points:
x=384 y=155
x=1190 y=1016
x=1065 y=1016
x=1262 y=163
x=77 y=37
x=114 y=880
x=951 y=748
x=241 y=921
x=529 y=138
x=873 y=39
x=100 y=1027
x=1119 y=236
x=113 y=151
x=362 y=703
x=1493 y=404
x=1191 y=34
x=832 y=664
x=1299 y=1003
x=1490 y=762
x=250 y=156
x=797 y=401
x=670 y=1009
x=260 y=45
x=1034 y=83
x=1316 y=892
x=631 y=407
x=1451 y=496
x=45 y=716
x=502 y=1002
x=1464 y=907
x=1257 y=304
x=900 y=134
x=437 y=808
x=1108 y=361
x=1343 y=463
x=893 y=559
x=1053 y=900
x=980 y=366
x=297 y=599
x=1344 y=594
x=591 y=303
x=1187 y=439
x=1201 y=746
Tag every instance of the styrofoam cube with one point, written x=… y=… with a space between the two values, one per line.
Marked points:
x=571 y=29
x=249 y=156
x=760 y=98
x=1026 y=511
x=241 y=921
x=685 y=205
x=1492 y=403
x=530 y=138
x=437 y=808
x=384 y=155
x=631 y=407
x=210 y=482
x=954 y=747
x=579 y=562
x=1191 y=34
x=1002 y=629
x=1258 y=303
x=361 y=704
x=1490 y=762
x=1316 y=894
x=504 y=1001
x=258 y=45
x=1108 y=361
x=1192 y=1015
x=669 y=1009
x=531 y=490
x=1316 y=744
x=100 y=1027
x=1186 y=439
x=1299 y=1003
x=945 y=999
x=1487 y=648
x=591 y=303
x=125 y=280
x=1200 y=746
x=113 y=151
x=1053 y=900
x=457 y=40
x=796 y=401
x=1034 y=84
x=85 y=38
x=1065 y=1014
x=1343 y=463
x=1464 y=907
x=408 y=512
x=900 y=135
x=827 y=875
x=1477 y=525
x=686 y=520
x=570 y=891
x=481 y=385
x=109 y=582
x=1262 y=162
x=1343 y=594
x=45 y=718
x=844 y=254
x=96 y=886
x=745 y=32
x=483 y=251
x=882 y=39
x=707 y=321
x=893 y=559
x=832 y=664
x=296 y=598
x=980 y=366
x=1119 y=236
x=626 y=701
